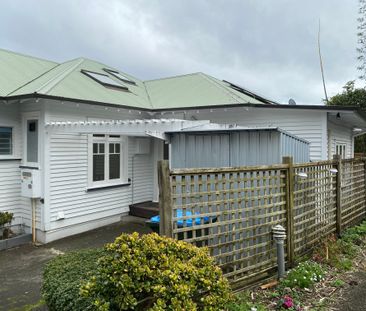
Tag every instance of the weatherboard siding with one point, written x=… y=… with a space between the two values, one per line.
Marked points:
x=69 y=193
x=67 y=168
x=342 y=135
x=10 y=189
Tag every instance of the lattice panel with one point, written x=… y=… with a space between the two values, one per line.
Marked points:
x=314 y=204
x=234 y=212
x=353 y=192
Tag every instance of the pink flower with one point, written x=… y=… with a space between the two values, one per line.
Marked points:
x=287 y=302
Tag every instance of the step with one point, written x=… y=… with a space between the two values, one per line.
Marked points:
x=144 y=210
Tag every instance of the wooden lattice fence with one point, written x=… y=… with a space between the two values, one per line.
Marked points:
x=232 y=210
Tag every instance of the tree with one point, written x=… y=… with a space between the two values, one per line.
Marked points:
x=355 y=97
x=350 y=96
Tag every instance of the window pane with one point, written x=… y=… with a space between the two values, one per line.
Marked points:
x=5 y=140
x=118 y=148
x=95 y=148
x=114 y=166
x=101 y=148
x=32 y=141
x=111 y=148
x=98 y=167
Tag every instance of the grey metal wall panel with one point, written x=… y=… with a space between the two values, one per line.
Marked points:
x=235 y=148
x=195 y=150
x=297 y=148
x=254 y=148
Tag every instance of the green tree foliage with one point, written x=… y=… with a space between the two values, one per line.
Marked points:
x=355 y=97
x=155 y=273
x=350 y=96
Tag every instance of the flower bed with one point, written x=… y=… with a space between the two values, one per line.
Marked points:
x=317 y=282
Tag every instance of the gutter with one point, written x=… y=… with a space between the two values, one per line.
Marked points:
x=360 y=111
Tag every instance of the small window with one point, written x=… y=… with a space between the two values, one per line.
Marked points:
x=32 y=141
x=6 y=141
x=341 y=150
x=119 y=76
x=108 y=160
x=104 y=79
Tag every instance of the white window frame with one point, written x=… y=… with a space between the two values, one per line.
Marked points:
x=339 y=145
x=26 y=117
x=11 y=155
x=123 y=141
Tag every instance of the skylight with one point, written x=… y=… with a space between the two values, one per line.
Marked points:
x=104 y=79
x=249 y=93
x=119 y=76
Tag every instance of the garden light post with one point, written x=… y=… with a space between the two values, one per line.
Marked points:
x=279 y=235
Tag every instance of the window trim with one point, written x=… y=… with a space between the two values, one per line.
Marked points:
x=115 y=74
x=123 y=140
x=10 y=155
x=107 y=85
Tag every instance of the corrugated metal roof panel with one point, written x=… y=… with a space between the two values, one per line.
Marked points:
x=17 y=70
x=67 y=80
x=193 y=90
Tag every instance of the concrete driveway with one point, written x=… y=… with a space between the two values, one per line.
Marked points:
x=21 y=268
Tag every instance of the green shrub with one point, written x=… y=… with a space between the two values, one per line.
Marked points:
x=342 y=264
x=5 y=218
x=304 y=275
x=355 y=234
x=150 y=272
x=62 y=278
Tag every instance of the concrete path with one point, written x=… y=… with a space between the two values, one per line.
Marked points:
x=21 y=268
x=354 y=297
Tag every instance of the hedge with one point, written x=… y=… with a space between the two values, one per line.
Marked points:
x=63 y=277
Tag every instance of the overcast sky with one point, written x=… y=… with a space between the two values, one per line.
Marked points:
x=267 y=46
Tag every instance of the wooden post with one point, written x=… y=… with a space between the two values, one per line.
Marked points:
x=290 y=210
x=338 y=166
x=165 y=199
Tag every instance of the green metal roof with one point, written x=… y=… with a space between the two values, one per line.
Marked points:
x=194 y=90
x=66 y=80
x=17 y=70
x=23 y=75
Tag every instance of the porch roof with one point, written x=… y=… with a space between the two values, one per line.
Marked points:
x=142 y=127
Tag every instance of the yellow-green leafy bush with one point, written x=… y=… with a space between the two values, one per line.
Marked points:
x=150 y=272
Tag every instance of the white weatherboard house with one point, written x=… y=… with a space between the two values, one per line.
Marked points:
x=80 y=140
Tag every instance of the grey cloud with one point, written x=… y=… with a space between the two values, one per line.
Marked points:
x=267 y=46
